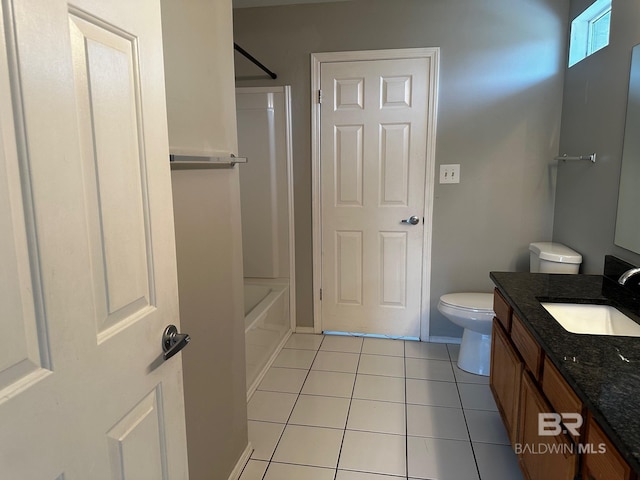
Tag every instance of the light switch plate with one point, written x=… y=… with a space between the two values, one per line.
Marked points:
x=450 y=173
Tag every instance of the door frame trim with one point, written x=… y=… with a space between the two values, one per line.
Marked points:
x=317 y=59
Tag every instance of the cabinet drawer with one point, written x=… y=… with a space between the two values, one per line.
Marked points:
x=608 y=465
x=502 y=310
x=560 y=395
x=529 y=349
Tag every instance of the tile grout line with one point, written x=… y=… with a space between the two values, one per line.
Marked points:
x=466 y=424
x=292 y=409
x=344 y=431
x=406 y=414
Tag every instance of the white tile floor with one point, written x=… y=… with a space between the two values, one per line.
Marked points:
x=348 y=408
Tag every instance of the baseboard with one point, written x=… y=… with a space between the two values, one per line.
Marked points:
x=254 y=386
x=454 y=340
x=304 y=330
x=435 y=339
x=244 y=458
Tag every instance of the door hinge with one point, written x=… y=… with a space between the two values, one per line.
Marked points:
x=320 y=294
x=320 y=97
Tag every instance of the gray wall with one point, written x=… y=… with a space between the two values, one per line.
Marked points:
x=501 y=77
x=593 y=117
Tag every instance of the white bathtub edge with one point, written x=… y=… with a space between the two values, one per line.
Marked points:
x=262 y=308
x=254 y=386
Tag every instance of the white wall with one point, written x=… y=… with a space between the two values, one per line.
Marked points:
x=199 y=68
x=264 y=188
x=501 y=76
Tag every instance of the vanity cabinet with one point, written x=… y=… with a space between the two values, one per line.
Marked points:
x=525 y=383
x=560 y=395
x=516 y=366
x=505 y=379
x=527 y=346
x=603 y=466
x=542 y=457
x=502 y=310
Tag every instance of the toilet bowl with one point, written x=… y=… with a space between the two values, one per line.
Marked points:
x=474 y=313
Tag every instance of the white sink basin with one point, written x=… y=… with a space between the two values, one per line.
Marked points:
x=592 y=319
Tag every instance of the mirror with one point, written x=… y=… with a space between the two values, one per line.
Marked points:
x=628 y=218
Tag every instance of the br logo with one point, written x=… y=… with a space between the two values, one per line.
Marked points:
x=550 y=424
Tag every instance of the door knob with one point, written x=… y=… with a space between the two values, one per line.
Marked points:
x=173 y=342
x=412 y=220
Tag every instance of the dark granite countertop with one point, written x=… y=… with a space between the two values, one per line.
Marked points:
x=603 y=370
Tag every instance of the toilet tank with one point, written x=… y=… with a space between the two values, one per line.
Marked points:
x=550 y=257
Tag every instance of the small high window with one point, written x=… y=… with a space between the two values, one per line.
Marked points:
x=590 y=31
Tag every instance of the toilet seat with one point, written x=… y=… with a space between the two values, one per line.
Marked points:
x=468 y=304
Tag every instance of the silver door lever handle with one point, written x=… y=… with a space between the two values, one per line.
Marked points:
x=173 y=342
x=412 y=220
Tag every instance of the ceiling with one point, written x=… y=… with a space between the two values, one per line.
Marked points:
x=271 y=3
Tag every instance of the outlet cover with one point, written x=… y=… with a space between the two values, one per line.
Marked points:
x=450 y=173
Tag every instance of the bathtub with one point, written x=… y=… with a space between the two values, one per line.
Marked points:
x=266 y=325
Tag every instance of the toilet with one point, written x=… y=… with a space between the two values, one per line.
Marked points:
x=549 y=257
x=474 y=311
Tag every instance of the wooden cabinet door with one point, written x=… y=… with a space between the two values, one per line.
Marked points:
x=506 y=372
x=561 y=396
x=603 y=462
x=542 y=457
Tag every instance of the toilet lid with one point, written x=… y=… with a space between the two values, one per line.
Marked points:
x=471 y=301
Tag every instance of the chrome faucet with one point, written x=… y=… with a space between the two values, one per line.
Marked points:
x=627 y=275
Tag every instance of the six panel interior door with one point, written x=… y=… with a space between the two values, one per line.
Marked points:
x=373 y=136
x=88 y=243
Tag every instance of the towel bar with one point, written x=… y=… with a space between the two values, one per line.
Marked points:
x=187 y=162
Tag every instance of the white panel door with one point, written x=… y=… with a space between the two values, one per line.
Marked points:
x=372 y=153
x=88 y=277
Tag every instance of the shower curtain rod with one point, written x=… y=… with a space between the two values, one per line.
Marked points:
x=254 y=60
